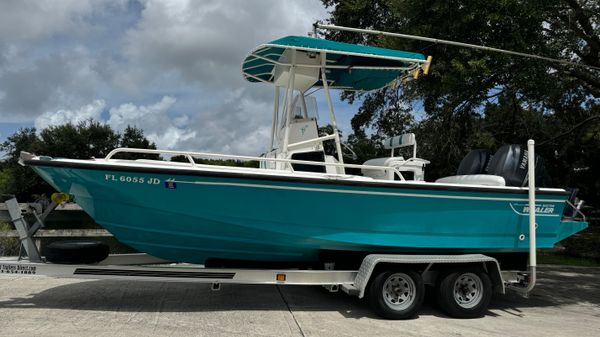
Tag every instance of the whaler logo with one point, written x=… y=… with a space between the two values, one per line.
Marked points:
x=540 y=209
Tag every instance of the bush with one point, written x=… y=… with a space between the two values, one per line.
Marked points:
x=8 y=246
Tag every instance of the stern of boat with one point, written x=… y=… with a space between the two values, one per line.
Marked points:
x=569 y=227
x=573 y=219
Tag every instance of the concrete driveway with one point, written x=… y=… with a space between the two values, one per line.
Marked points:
x=566 y=303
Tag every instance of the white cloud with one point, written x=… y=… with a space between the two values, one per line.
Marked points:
x=206 y=41
x=86 y=112
x=166 y=131
x=159 y=126
x=32 y=20
x=57 y=57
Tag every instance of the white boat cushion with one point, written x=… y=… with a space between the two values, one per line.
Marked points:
x=474 y=179
x=385 y=161
x=396 y=161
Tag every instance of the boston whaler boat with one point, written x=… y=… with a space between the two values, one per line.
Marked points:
x=302 y=206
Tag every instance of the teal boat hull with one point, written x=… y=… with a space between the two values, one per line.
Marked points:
x=192 y=216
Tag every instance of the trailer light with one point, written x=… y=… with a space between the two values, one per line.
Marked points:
x=280 y=277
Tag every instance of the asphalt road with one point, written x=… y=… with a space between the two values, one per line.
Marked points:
x=566 y=303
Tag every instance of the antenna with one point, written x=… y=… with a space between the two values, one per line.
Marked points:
x=453 y=43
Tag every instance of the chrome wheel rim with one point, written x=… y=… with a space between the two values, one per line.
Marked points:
x=399 y=291
x=468 y=290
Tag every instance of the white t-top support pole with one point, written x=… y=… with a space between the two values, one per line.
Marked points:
x=532 y=234
x=290 y=104
x=275 y=113
x=338 y=145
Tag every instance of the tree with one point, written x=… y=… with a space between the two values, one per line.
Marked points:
x=476 y=99
x=219 y=162
x=134 y=138
x=89 y=139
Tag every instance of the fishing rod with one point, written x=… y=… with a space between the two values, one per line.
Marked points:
x=451 y=43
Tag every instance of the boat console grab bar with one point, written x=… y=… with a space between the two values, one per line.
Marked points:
x=189 y=155
x=310 y=141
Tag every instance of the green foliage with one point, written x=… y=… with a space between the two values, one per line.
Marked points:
x=134 y=138
x=477 y=99
x=85 y=140
x=8 y=246
x=219 y=162
x=5 y=179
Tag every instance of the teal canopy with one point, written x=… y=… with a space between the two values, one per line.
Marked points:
x=349 y=66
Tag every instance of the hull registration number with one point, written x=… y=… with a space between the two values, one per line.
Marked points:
x=132 y=179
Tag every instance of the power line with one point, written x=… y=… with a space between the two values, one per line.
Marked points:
x=454 y=43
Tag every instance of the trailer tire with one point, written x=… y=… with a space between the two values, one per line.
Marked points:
x=464 y=293
x=76 y=252
x=396 y=294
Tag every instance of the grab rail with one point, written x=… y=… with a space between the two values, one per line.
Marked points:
x=311 y=141
x=576 y=210
x=189 y=155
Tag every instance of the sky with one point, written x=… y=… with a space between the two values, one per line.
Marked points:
x=172 y=68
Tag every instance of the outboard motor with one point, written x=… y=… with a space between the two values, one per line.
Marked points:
x=475 y=162
x=510 y=162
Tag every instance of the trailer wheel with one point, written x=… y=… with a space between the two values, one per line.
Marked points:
x=464 y=294
x=76 y=252
x=396 y=294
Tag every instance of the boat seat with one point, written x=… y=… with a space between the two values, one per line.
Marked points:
x=474 y=179
x=414 y=165
x=385 y=161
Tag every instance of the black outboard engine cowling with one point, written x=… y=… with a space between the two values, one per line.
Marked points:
x=510 y=162
x=475 y=162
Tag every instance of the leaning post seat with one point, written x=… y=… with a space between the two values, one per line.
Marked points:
x=414 y=165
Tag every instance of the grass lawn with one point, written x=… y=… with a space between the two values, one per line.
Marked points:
x=553 y=258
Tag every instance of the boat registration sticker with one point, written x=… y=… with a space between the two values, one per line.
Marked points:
x=170 y=184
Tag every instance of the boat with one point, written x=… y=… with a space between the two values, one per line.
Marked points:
x=303 y=203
